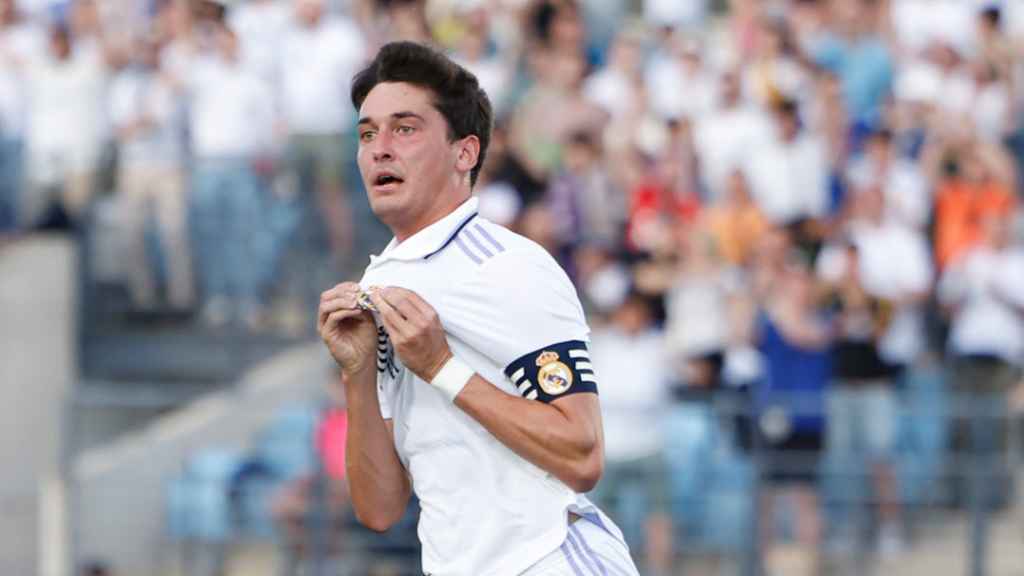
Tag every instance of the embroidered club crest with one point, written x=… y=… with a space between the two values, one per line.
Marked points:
x=554 y=377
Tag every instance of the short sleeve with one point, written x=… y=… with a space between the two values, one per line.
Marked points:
x=521 y=311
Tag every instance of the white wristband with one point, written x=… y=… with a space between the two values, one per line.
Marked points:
x=452 y=378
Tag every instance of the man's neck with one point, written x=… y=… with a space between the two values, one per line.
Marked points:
x=404 y=233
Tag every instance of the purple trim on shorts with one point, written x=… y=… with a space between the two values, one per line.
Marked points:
x=488 y=237
x=473 y=257
x=588 y=562
x=477 y=243
x=572 y=563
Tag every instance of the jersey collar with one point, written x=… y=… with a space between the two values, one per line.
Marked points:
x=433 y=238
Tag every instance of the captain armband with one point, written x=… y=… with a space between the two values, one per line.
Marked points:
x=553 y=371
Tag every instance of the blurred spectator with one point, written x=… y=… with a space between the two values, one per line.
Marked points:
x=476 y=52
x=148 y=118
x=551 y=110
x=908 y=200
x=678 y=82
x=982 y=291
x=617 y=86
x=669 y=13
x=64 y=136
x=230 y=127
x=320 y=53
x=21 y=39
x=261 y=25
x=775 y=73
x=974 y=184
x=862 y=406
x=697 y=329
x=735 y=224
x=894 y=265
x=661 y=202
x=727 y=135
x=855 y=51
x=633 y=487
x=585 y=204
x=788 y=409
x=789 y=176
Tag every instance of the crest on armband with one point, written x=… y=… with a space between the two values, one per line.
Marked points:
x=554 y=377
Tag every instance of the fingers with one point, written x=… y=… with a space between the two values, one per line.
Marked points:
x=338 y=316
x=345 y=289
x=329 y=306
x=394 y=322
x=411 y=300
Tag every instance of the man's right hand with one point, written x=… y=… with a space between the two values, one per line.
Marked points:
x=349 y=332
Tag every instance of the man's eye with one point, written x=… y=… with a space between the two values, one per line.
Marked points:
x=405 y=130
x=366 y=136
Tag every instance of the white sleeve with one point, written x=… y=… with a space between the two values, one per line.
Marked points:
x=518 y=310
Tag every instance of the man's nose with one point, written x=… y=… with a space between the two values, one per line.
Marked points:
x=381 y=149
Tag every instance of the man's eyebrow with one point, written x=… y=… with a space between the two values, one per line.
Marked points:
x=396 y=116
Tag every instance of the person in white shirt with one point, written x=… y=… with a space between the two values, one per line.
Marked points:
x=789 y=177
x=148 y=117
x=908 y=198
x=320 y=53
x=230 y=125
x=260 y=25
x=728 y=135
x=983 y=292
x=630 y=348
x=20 y=40
x=63 y=135
x=463 y=385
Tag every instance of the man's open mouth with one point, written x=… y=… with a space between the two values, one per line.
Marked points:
x=385 y=179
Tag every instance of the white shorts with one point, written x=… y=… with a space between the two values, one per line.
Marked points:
x=589 y=550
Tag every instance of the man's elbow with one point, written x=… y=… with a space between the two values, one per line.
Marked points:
x=587 y=473
x=377 y=520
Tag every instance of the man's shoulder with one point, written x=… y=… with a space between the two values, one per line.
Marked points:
x=491 y=249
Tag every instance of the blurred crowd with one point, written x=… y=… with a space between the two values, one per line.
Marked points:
x=808 y=203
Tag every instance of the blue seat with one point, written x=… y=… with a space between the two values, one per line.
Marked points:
x=198 y=503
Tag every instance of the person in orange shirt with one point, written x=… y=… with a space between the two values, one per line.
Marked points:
x=736 y=224
x=974 y=185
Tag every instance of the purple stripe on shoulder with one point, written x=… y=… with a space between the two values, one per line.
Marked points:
x=590 y=552
x=473 y=257
x=477 y=243
x=487 y=236
x=579 y=552
x=572 y=562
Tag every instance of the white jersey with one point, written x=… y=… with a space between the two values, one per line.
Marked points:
x=504 y=304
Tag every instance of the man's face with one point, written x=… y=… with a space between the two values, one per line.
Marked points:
x=405 y=158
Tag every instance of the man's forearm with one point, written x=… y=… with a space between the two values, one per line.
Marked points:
x=378 y=483
x=568 y=443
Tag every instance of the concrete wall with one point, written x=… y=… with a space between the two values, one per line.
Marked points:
x=38 y=283
x=120 y=489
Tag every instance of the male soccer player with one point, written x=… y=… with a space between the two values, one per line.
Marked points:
x=468 y=376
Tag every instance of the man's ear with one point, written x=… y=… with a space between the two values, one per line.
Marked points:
x=468 y=153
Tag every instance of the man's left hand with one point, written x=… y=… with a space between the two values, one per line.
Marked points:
x=414 y=328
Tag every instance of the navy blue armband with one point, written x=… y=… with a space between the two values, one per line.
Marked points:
x=553 y=372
